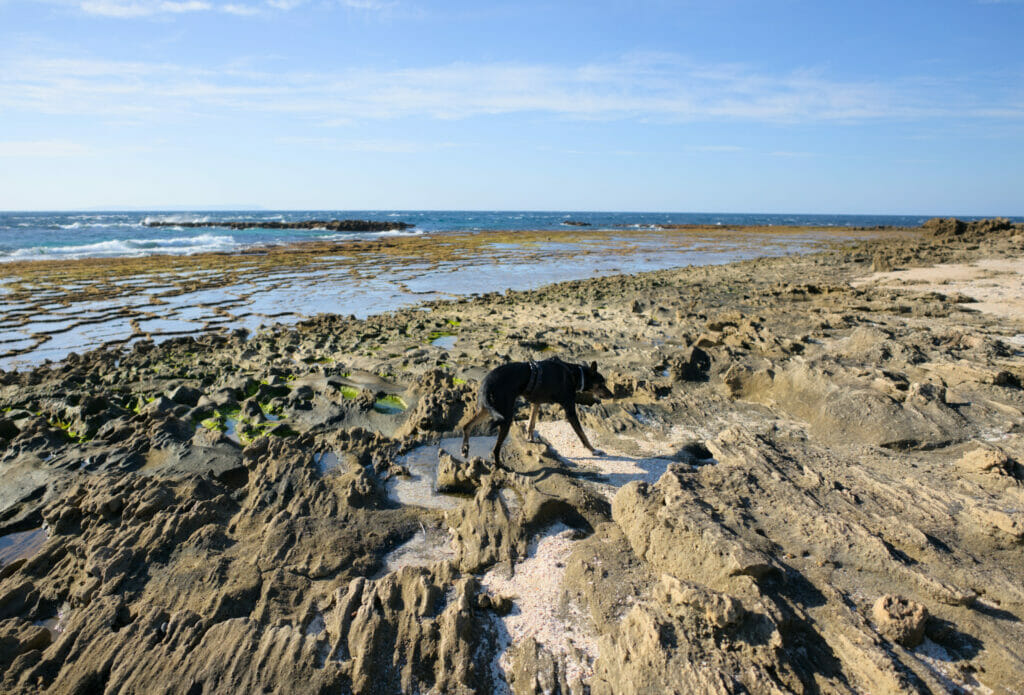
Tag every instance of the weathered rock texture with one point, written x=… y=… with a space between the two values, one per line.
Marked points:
x=841 y=507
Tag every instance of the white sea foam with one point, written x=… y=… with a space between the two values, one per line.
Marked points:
x=175 y=219
x=350 y=236
x=126 y=247
x=79 y=225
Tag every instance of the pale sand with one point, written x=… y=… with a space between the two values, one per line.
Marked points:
x=616 y=467
x=997 y=284
x=540 y=611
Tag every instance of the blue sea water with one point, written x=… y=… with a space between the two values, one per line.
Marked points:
x=68 y=235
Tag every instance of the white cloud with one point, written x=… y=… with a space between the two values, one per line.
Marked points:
x=133 y=9
x=660 y=87
x=43 y=148
x=240 y=10
x=373 y=5
x=142 y=8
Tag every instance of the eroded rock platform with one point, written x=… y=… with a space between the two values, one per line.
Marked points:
x=812 y=485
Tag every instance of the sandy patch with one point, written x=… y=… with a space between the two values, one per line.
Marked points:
x=997 y=284
x=616 y=467
x=540 y=611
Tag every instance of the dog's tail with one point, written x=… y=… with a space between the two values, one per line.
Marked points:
x=495 y=415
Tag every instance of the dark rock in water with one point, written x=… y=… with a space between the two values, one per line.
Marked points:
x=574 y=223
x=329 y=225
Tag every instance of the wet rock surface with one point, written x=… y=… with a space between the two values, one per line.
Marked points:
x=839 y=505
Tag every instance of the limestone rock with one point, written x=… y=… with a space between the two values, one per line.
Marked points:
x=900 y=620
x=985 y=459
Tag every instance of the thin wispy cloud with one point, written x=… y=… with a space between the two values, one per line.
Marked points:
x=43 y=148
x=130 y=9
x=136 y=9
x=663 y=87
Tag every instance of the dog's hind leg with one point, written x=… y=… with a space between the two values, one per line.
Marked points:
x=533 y=421
x=479 y=417
x=503 y=429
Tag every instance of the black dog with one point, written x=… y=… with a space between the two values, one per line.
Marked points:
x=550 y=381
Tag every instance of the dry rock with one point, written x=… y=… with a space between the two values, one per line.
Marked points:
x=900 y=620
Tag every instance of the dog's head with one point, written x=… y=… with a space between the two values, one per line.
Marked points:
x=595 y=382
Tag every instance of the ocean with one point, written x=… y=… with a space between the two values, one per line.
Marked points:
x=70 y=235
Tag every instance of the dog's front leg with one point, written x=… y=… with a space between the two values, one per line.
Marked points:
x=570 y=415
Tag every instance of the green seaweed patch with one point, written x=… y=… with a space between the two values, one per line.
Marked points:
x=249 y=432
x=454 y=322
x=214 y=423
x=434 y=335
x=390 y=405
x=275 y=409
x=71 y=434
x=349 y=392
x=458 y=381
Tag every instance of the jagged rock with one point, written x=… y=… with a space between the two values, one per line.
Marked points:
x=486 y=530
x=416 y=630
x=667 y=526
x=454 y=475
x=692 y=365
x=985 y=459
x=900 y=620
x=185 y=395
x=536 y=671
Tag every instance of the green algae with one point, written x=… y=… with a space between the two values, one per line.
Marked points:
x=390 y=405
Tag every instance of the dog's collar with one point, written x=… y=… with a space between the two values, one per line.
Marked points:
x=582 y=379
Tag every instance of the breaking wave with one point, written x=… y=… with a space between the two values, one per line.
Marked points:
x=126 y=247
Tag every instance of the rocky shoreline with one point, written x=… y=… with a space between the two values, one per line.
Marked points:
x=328 y=225
x=814 y=484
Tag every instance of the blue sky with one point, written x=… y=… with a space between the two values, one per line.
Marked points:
x=729 y=106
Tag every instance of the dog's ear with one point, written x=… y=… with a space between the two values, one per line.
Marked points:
x=593 y=366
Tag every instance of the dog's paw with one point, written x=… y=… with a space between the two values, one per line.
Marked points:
x=597 y=452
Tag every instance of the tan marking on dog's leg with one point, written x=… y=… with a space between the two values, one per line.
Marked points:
x=533 y=421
